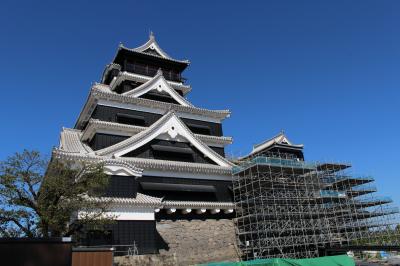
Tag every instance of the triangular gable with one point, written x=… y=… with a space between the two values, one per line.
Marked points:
x=282 y=140
x=278 y=139
x=159 y=84
x=152 y=52
x=169 y=127
x=152 y=45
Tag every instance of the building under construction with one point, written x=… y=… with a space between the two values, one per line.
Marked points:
x=290 y=208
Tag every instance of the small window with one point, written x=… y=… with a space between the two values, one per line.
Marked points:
x=173 y=156
x=199 y=129
x=160 y=97
x=131 y=120
x=172 y=153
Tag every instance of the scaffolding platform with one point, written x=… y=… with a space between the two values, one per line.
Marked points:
x=289 y=208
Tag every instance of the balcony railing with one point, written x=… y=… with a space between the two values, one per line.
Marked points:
x=366 y=187
x=152 y=71
x=332 y=193
x=273 y=162
x=334 y=179
x=374 y=200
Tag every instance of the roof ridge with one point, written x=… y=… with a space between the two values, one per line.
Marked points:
x=93 y=121
x=71 y=129
x=99 y=91
x=147 y=77
x=267 y=140
x=158 y=125
x=153 y=45
x=185 y=61
x=147 y=86
x=174 y=165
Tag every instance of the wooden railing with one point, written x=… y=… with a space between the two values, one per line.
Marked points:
x=152 y=71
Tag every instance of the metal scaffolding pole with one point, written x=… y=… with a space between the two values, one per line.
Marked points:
x=290 y=208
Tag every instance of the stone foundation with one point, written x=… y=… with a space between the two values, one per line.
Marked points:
x=197 y=241
x=146 y=260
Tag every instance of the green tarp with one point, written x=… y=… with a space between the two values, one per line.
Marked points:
x=342 y=260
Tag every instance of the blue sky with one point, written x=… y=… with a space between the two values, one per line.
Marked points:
x=327 y=72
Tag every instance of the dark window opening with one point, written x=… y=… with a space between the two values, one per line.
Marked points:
x=171 y=185
x=131 y=120
x=151 y=70
x=173 y=156
x=100 y=141
x=159 y=97
x=183 y=195
x=127 y=86
x=172 y=153
x=177 y=187
x=151 y=51
x=121 y=186
x=198 y=129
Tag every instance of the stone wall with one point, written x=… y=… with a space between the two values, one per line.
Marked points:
x=197 y=241
x=146 y=260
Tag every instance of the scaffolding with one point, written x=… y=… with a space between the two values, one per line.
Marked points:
x=290 y=208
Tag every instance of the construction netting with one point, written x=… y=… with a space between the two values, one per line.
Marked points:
x=341 y=260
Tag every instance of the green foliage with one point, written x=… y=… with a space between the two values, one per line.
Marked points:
x=20 y=177
x=384 y=236
x=36 y=202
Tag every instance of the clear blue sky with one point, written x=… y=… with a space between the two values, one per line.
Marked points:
x=327 y=72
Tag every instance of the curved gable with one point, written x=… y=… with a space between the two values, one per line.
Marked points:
x=159 y=84
x=152 y=47
x=171 y=128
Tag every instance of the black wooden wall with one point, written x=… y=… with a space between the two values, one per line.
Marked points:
x=122 y=187
x=128 y=186
x=223 y=192
x=142 y=233
x=128 y=85
x=107 y=113
x=100 y=141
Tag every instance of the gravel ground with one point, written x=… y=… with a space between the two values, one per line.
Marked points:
x=389 y=262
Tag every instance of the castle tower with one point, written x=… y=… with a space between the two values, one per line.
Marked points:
x=165 y=156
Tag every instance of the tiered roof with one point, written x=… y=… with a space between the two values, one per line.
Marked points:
x=159 y=84
x=143 y=200
x=70 y=141
x=169 y=126
x=161 y=165
x=73 y=142
x=278 y=140
x=102 y=93
x=151 y=48
x=128 y=76
x=97 y=126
